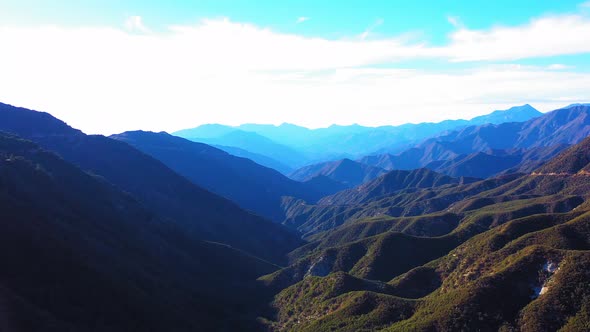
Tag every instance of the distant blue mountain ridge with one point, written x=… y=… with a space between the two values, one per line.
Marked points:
x=481 y=151
x=295 y=146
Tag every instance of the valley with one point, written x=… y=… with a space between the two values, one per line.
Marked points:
x=485 y=227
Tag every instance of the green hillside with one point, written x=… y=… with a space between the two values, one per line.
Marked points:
x=510 y=255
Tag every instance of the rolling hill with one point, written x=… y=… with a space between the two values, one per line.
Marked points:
x=500 y=254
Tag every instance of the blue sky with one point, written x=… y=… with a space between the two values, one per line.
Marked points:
x=165 y=65
x=328 y=19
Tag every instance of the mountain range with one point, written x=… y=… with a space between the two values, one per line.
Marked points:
x=477 y=227
x=477 y=151
x=547 y=135
x=297 y=146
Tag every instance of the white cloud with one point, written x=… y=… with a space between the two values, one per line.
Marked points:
x=372 y=27
x=454 y=21
x=558 y=66
x=302 y=19
x=585 y=4
x=106 y=80
x=547 y=36
x=135 y=24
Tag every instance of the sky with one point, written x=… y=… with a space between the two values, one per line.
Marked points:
x=110 y=66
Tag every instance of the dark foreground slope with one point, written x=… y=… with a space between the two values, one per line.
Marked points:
x=78 y=254
x=199 y=213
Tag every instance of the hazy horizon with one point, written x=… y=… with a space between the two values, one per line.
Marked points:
x=189 y=126
x=106 y=67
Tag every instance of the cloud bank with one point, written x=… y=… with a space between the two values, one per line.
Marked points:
x=106 y=80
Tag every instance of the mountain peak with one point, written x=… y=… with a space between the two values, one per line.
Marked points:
x=521 y=108
x=513 y=114
x=354 y=125
x=290 y=125
x=577 y=105
x=346 y=161
x=33 y=123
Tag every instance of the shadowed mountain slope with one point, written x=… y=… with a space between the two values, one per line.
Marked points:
x=201 y=214
x=253 y=187
x=257 y=158
x=251 y=142
x=78 y=254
